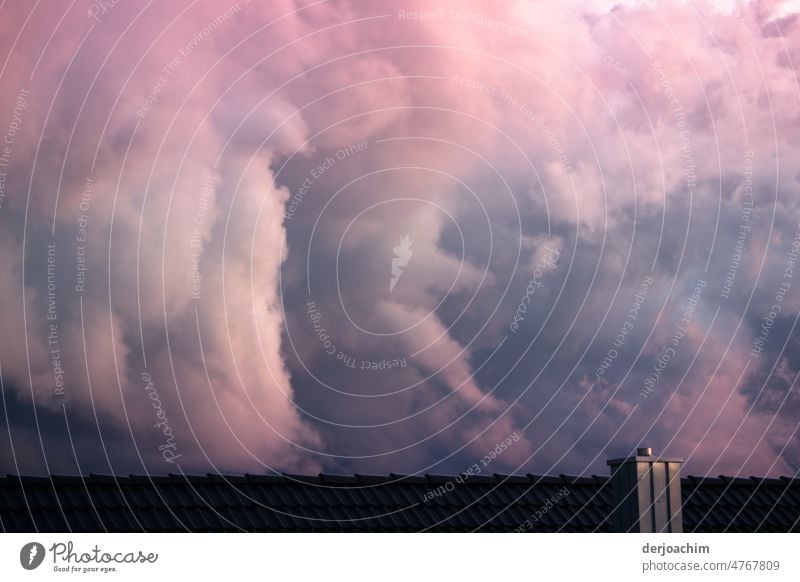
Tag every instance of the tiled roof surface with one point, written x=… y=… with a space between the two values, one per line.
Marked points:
x=717 y=504
x=395 y=503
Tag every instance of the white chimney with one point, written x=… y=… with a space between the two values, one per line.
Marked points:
x=646 y=493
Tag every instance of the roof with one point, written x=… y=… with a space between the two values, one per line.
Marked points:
x=364 y=503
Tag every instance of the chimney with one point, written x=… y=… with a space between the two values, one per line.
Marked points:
x=646 y=493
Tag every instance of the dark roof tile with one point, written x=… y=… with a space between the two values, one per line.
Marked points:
x=545 y=480
x=371 y=479
x=511 y=479
x=329 y=479
x=439 y=479
x=372 y=503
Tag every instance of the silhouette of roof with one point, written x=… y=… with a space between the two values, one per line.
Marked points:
x=364 y=503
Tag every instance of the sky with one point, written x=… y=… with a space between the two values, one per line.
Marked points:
x=399 y=237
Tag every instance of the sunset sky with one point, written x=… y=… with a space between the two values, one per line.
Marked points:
x=374 y=237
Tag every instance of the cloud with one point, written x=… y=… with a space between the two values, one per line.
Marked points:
x=213 y=169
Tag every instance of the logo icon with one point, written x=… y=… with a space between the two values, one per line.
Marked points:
x=31 y=555
x=402 y=255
